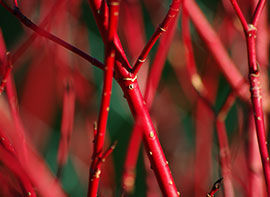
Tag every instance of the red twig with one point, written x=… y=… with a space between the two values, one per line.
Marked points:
x=240 y=14
x=190 y=61
x=258 y=12
x=130 y=87
x=217 y=49
x=27 y=43
x=99 y=9
x=154 y=151
x=28 y=23
x=153 y=79
x=6 y=143
x=10 y=161
x=172 y=13
x=106 y=95
x=256 y=186
x=255 y=86
x=194 y=76
x=29 y=160
x=224 y=150
x=204 y=112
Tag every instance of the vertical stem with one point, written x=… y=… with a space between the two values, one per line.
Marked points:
x=224 y=150
x=106 y=96
x=255 y=177
x=256 y=98
x=255 y=85
x=154 y=151
x=153 y=80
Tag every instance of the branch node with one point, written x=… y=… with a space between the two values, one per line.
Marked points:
x=251 y=31
x=130 y=79
x=251 y=27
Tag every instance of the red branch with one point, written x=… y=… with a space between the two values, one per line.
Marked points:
x=28 y=23
x=255 y=85
x=99 y=9
x=28 y=42
x=153 y=79
x=106 y=96
x=172 y=13
x=217 y=49
x=154 y=151
x=10 y=161
x=194 y=76
x=131 y=90
x=224 y=150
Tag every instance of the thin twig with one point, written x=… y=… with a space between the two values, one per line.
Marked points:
x=172 y=13
x=28 y=23
x=255 y=87
x=114 y=6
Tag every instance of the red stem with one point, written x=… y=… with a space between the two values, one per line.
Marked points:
x=128 y=82
x=259 y=121
x=28 y=23
x=100 y=15
x=172 y=13
x=224 y=150
x=217 y=49
x=194 y=76
x=27 y=43
x=28 y=160
x=27 y=157
x=6 y=143
x=153 y=80
x=12 y=163
x=255 y=90
x=256 y=186
x=106 y=95
x=258 y=12
x=154 y=151
x=240 y=14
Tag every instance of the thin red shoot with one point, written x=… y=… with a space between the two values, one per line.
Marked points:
x=255 y=87
x=224 y=149
x=106 y=95
x=28 y=23
x=153 y=79
x=217 y=49
x=172 y=13
x=28 y=42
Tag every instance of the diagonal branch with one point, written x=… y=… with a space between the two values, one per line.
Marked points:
x=27 y=22
x=172 y=13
